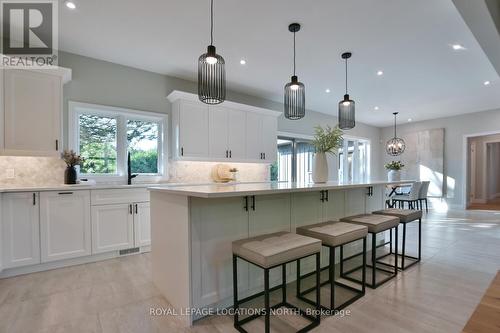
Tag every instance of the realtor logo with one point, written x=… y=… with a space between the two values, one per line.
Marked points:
x=29 y=33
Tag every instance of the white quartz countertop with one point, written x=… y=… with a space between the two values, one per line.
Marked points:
x=244 y=189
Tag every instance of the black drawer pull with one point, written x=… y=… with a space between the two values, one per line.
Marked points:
x=65 y=193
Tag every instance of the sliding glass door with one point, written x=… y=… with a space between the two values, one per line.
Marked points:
x=294 y=162
x=354 y=161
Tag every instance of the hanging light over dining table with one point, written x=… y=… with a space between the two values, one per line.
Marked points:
x=211 y=71
x=395 y=146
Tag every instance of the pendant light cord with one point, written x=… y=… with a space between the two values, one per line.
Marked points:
x=211 y=22
x=395 y=124
x=294 y=53
x=346 y=76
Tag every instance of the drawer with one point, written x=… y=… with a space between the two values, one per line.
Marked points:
x=119 y=196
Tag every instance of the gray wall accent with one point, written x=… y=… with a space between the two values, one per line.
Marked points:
x=456 y=128
x=100 y=82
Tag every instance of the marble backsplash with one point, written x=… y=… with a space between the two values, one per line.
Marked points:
x=27 y=171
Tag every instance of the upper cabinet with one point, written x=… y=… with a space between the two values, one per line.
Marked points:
x=31 y=112
x=227 y=132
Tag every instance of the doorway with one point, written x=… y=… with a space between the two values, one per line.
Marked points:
x=483 y=183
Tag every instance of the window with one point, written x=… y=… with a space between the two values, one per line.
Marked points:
x=354 y=161
x=104 y=136
x=294 y=162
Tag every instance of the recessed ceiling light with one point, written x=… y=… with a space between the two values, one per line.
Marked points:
x=410 y=120
x=376 y=108
x=487 y=83
x=327 y=91
x=457 y=47
x=380 y=73
x=70 y=4
x=243 y=62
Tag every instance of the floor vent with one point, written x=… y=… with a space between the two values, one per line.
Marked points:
x=129 y=251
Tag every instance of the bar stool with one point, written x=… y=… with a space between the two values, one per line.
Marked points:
x=333 y=235
x=405 y=216
x=376 y=224
x=267 y=252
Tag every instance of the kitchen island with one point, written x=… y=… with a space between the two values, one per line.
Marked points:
x=192 y=229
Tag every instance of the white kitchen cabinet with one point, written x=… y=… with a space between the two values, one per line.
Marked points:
x=142 y=224
x=20 y=229
x=228 y=132
x=112 y=227
x=190 y=125
x=32 y=97
x=65 y=230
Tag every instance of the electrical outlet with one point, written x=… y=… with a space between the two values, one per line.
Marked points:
x=10 y=173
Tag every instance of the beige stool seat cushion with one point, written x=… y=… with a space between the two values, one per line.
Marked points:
x=405 y=215
x=334 y=233
x=276 y=248
x=375 y=223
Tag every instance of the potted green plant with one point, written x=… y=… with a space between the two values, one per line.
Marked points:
x=394 y=168
x=327 y=140
x=71 y=159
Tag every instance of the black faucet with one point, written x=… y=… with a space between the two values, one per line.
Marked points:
x=130 y=176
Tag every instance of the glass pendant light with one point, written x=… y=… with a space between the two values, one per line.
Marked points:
x=346 y=106
x=395 y=146
x=295 y=100
x=211 y=71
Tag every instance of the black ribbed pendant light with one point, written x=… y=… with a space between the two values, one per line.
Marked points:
x=211 y=71
x=295 y=100
x=395 y=146
x=347 y=112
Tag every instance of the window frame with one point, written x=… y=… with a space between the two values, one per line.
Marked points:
x=344 y=161
x=294 y=138
x=122 y=115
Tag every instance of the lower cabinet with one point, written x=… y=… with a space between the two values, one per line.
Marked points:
x=142 y=224
x=64 y=225
x=112 y=227
x=20 y=229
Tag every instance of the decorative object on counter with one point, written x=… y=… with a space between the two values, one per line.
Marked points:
x=211 y=71
x=326 y=140
x=394 y=168
x=347 y=115
x=395 y=146
x=295 y=100
x=71 y=159
x=221 y=173
x=234 y=172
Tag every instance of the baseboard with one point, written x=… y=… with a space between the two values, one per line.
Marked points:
x=478 y=201
x=10 y=272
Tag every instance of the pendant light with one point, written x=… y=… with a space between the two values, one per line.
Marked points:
x=211 y=71
x=295 y=100
x=346 y=106
x=395 y=146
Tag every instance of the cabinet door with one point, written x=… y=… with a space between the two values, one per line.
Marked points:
x=32 y=98
x=112 y=227
x=64 y=225
x=236 y=134
x=376 y=200
x=254 y=136
x=215 y=224
x=269 y=138
x=355 y=201
x=218 y=128
x=142 y=224
x=193 y=130
x=20 y=229
x=334 y=208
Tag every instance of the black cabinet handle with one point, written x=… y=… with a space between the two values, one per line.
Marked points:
x=136 y=209
x=65 y=193
x=227 y=154
x=246 y=204
x=182 y=151
x=370 y=191
x=57 y=145
x=130 y=209
x=322 y=196
x=34 y=199
x=230 y=154
x=264 y=156
x=253 y=202
x=327 y=195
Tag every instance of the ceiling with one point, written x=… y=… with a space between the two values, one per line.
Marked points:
x=409 y=40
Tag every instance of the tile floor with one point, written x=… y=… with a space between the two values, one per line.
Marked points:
x=461 y=255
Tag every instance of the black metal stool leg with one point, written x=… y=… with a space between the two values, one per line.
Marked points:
x=341 y=260
x=283 y=278
x=235 y=290
x=419 y=239
x=390 y=240
x=332 y=277
x=403 y=251
x=267 y=323
x=318 y=288
x=298 y=277
x=363 y=278
x=396 y=252
x=374 y=259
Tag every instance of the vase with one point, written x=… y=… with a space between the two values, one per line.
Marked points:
x=320 y=168
x=70 y=175
x=394 y=175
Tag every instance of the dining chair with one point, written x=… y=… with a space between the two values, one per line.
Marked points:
x=422 y=197
x=412 y=198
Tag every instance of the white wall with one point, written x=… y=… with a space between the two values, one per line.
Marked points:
x=456 y=128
